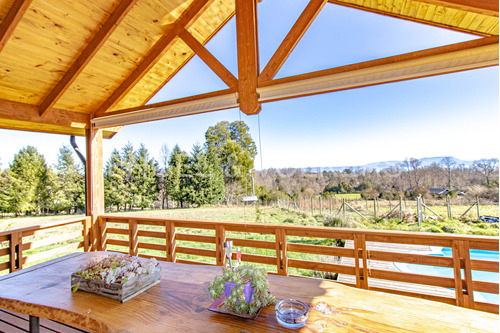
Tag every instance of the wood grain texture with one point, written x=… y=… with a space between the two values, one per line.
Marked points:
x=180 y=302
x=10 y=21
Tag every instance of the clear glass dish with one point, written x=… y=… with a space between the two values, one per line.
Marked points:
x=291 y=313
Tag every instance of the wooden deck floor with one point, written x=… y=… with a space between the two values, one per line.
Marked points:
x=387 y=265
x=13 y=322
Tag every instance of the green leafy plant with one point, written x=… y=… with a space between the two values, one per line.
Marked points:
x=240 y=276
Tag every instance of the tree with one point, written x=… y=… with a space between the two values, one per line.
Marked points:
x=236 y=151
x=5 y=192
x=128 y=163
x=488 y=167
x=415 y=167
x=24 y=173
x=162 y=175
x=448 y=164
x=145 y=178
x=49 y=191
x=114 y=181
x=71 y=179
x=176 y=182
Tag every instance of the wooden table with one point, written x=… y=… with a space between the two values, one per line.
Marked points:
x=180 y=302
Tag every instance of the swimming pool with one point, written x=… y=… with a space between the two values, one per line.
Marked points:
x=448 y=272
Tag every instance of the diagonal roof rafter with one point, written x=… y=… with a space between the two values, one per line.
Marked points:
x=188 y=17
x=87 y=54
x=9 y=23
x=291 y=40
x=215 y=65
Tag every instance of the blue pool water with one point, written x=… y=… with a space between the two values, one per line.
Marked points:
x=448 y=272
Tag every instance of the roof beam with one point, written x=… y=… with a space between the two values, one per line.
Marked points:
x=487 y=7
x=458 y=57
x=248 y=55
x=294 y=35
x=409 y=18
x=9 y=23
x=188 y=17
x=87 y=54
x=211 y=61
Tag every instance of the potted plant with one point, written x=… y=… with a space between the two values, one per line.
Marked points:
x=246 y=288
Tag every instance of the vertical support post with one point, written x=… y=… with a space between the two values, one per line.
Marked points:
x=95 y=183
x=463 y=287
x=281 y=252
x=248 y=55
x=103 y=226
x=220 y=237
x=34 y=323
x=361 y=273
x=133 y=237
x=320 y=206
x=86 y=234
x=16 y=251
x=477 y=205
x=170 y=238
x=343 y=209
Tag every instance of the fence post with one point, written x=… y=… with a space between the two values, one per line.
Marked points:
x=220 y=237
x=375 y=207
x=461 y=261
x=400 y=208
x=320 y=206
x=448 y=205
x=103 y=227
x=343 y=209
x=477 y=205
x=361 y=273
x=419 y=209
x=312 y=206
x=330 y=205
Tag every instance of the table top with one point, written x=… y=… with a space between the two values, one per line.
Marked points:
x=180 y=301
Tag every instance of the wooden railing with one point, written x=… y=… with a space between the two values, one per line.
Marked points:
x=290 y=250
x=22 y=247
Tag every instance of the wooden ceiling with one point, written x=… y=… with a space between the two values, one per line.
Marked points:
x=64 y=62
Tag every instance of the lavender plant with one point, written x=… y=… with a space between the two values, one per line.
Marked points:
x=236 y=300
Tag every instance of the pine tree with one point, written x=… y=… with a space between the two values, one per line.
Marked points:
x=114 y=181
x=5 y=192
x=71 y=180
x=145 y=178
x=206 y=177
x=49 y=191
x=175 y=174
x=128 y=164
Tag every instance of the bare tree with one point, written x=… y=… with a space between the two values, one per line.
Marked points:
x=488 y=167
x=415 y=170
x=448 y=164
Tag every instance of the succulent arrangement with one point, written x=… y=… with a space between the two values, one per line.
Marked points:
x=115 y=268
x=236 y=300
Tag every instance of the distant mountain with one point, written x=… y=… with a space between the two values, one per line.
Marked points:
x=377 y=166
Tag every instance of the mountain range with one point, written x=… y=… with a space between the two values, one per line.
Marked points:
x=377 y=166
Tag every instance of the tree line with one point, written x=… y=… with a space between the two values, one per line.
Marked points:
x=214 y=172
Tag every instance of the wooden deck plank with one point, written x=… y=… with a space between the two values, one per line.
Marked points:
x=17 y=322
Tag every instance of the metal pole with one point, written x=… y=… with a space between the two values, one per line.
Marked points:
x=477 y=204
x=419 y=210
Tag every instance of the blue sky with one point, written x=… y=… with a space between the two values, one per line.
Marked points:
x=448 y=115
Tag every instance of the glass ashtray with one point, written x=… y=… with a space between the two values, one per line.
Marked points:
x=292 y=313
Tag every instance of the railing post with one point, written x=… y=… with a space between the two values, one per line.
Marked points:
x=170 y=238
x=133 y=237
x=361 y=273
x=220 y=237
x=86 y=233
x=16 y=251
x=463 y=287
x=103 y=227
x=281 y=252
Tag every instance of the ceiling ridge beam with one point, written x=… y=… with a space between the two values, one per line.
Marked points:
x=189 y=16
x=248 y=55
x=292 y=39
x=116 y=17
x=408 y=18
x=11 y=20
x=215 y=65
x=486 y=7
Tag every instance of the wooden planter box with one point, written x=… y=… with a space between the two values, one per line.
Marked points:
x=122 y=292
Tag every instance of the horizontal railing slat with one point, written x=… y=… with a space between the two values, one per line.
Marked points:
x=320 y=249
x=411 y=258
x=151 y=246
x=484 y=265
x=4 y=266
x=436 y=298
x=52 y=240
x=488 y=307
x=194 y=251
x=4 y=252
x=252 y=243
x=117 y=231
x=118 y=242
x=437 y=281
x=321 y=266
x=152 y=234
x=195 y=238
x=53 y=252
x=486 y=287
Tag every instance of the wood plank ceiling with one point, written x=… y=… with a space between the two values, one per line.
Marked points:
x=64 y=62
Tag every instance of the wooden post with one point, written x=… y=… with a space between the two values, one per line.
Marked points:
x=330 y=205
x=448 y=205
x=133 y=237
x=248 y=55
x=312 y=206
x=281 y=252
x=320 y=206
x=343 y=209
x=375 y=207
x=461 y=261
x=86 y=234
x=400 y=208
x=220 y=237
x=419 y=209
x=103 y=226
x=361 y=273
x=16 y=251
x=477 y=205
x=95 y=183
x=170 y=238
